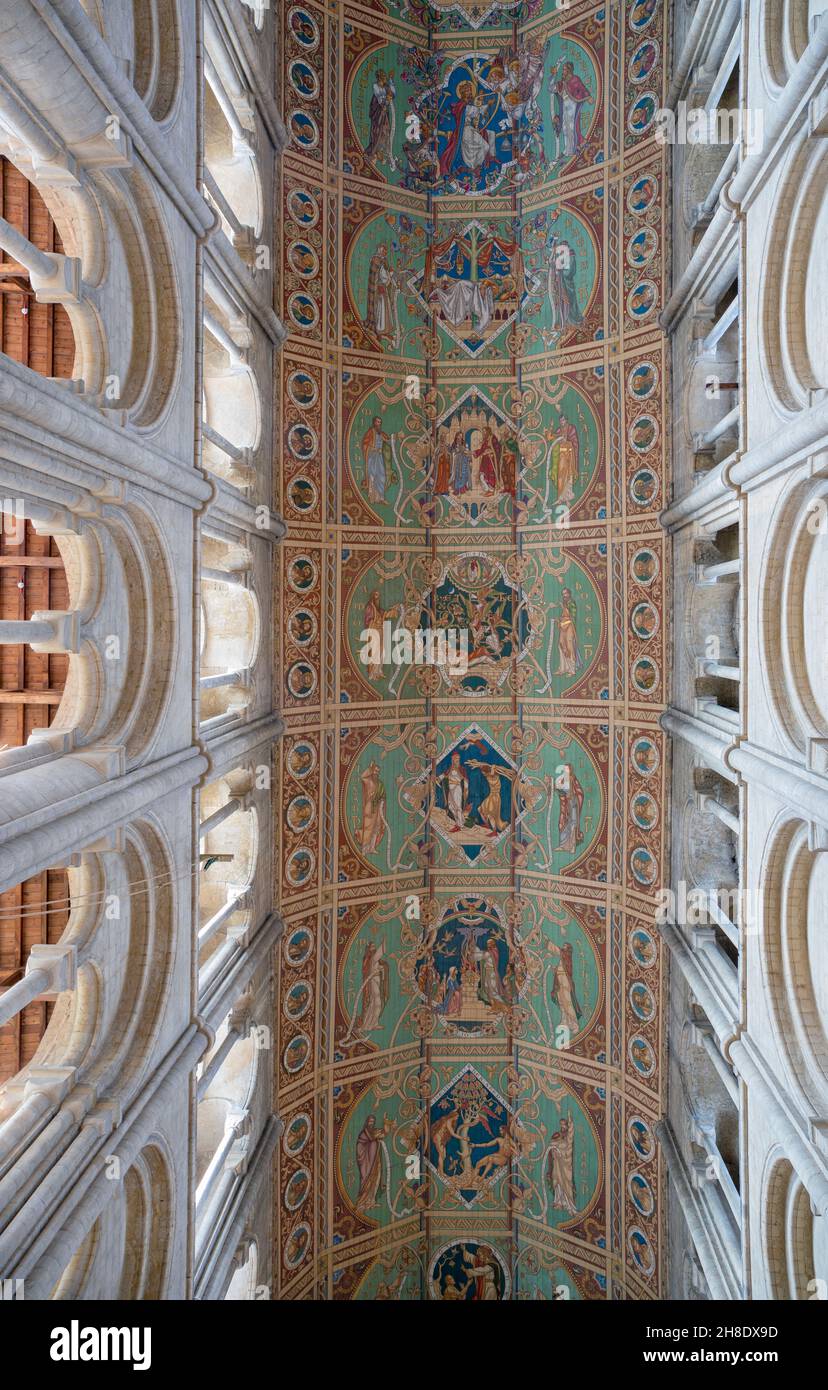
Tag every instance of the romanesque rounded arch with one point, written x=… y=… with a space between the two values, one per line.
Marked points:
x=787 y=1227
x=148 y=1220
x=148 y=358
x=157 y=62
x=783 y=38
x=230 y=158
x=794 y=953
x=793 y=582
x=119 y=630
x=793 y=346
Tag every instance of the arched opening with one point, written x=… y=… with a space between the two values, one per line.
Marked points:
x=231 y=403
x=229 y=632
x=32 y=913
x=228 y=850
x=157 y=51
x=793 y=1236
x=33 y=580
x=38 y=335
x=231 y=176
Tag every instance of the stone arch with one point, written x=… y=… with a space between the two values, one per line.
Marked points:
x=793 y=341
x=118 y=631
x=157 y=61
x=231 y=400
x=147 y=1219
x=230 y=635
x=46 y=259
x=119 y=942
x=75 y=1280
x=147 y=357
x=787 y=1225
x=126 y=1252
x=794 y=954
x=783 y=38
x=228 y=856
x=792 y=587
x=74 y=981
x=230 y=159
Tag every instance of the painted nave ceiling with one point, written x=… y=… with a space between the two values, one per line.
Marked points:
x=472 y=413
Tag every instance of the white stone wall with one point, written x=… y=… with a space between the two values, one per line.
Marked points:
x=745 y=1135
x=136 y=1149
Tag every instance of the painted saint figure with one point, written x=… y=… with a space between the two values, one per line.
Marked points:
x=488 y=459
x=456 y=791
x=490 y=987
x=571 y=799
x=483 y=1270
x=563 y=991
x=491 y=807
x=373 y=618
x=374 y=988
x=509 y=464
x=569 y=97
x=369 y=1162
x=561 y=285
x=570 y=659
x=452 y=1000
x=376 y=451
x=561 y=1161
x=460 y=465
x=381 y=316
x=382 y=117
x=371 y=831
x=565 y=457
x=442 y=477
x=471 y=145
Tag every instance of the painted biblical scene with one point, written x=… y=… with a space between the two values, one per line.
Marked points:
x=446 y=123
x=470 y=1271
x=474 y=286
x=478 y=456
x=562 y=253
x=474 y=457
x=384 y=251
x=478 y=624
x=465 y=795
x=483 y=967
x=465 y=967
x=449 y=15
x=491 y=806
x=459 y=626
x=383 y=805
x=566 y=480
x=573 y=137
x=474 y=1144
x=464 y=1270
